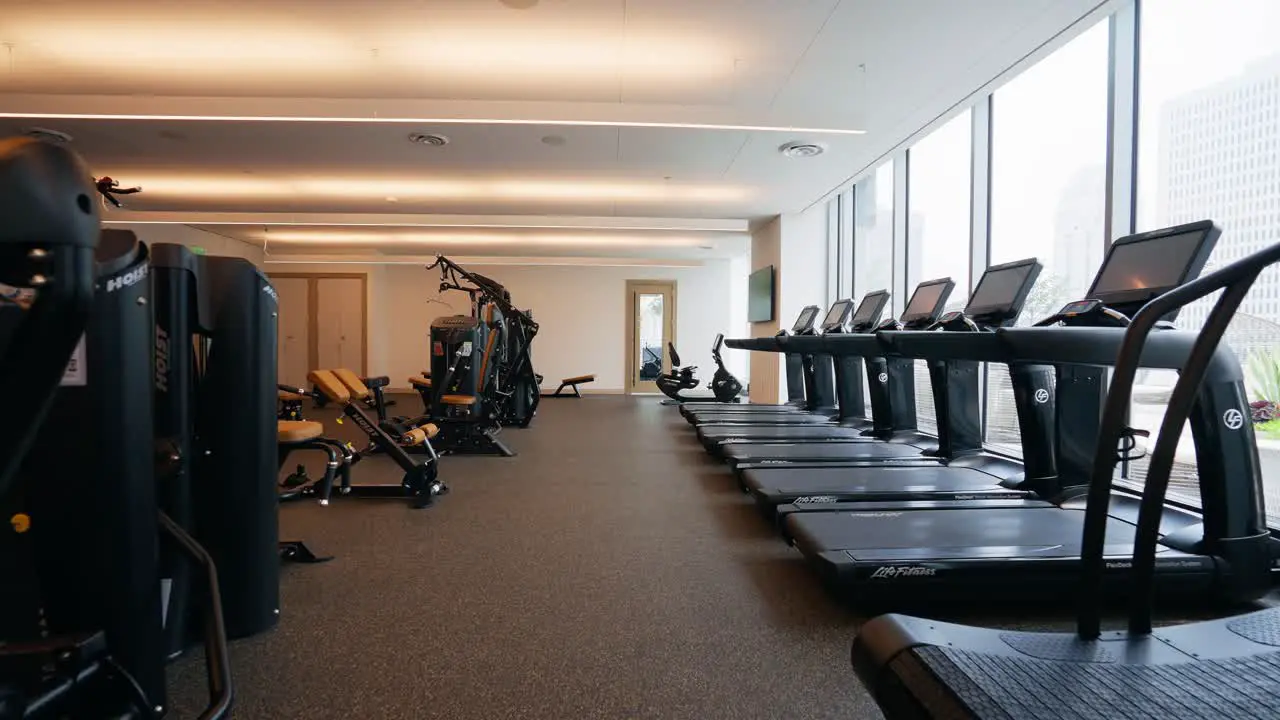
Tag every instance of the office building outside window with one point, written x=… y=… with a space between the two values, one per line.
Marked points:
x=1048 y=190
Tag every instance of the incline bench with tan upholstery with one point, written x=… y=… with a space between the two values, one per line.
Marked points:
x=572 y=382
x=420 y=484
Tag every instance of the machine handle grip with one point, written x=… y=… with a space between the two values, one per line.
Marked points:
x=217 y=662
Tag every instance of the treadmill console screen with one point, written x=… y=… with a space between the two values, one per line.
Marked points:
x=1140 y=267
x=869 y=309
x=805 y=321
x=1002 y=289
x=837 y=315
x=927 y=300
x=1158 y=263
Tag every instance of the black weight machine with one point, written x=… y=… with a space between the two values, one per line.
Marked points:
x=515 y=388
x=90 y=536
x=481 y=368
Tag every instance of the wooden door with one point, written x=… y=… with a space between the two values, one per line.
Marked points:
x=651 y=325
x=340 y=323
x=293 y=339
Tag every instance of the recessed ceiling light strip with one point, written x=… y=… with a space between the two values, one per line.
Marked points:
x=438 y=121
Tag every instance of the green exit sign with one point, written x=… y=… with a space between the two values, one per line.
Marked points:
x=199 y=250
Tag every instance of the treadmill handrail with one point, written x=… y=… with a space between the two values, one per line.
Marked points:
x=1236 y=278
x=765 y=344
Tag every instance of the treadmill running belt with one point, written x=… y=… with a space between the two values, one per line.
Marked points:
x=817 y=451
x=954 y=533
x=953 y=683
x=785 y=481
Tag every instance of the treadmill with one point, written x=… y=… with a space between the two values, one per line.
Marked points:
x=818 y=383
x=893 y=395
x=851 y=420
x=1222 y=669
x=1030 y=549
x=970 y=471
x=797 y=399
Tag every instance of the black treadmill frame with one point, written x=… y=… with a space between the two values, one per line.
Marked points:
x=892 y=650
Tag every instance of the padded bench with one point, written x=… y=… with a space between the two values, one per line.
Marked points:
x=573 y=383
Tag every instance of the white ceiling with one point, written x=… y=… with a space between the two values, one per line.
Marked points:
x=335 y=88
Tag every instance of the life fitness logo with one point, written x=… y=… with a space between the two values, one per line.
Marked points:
x=883 y=378
x=893 y=572
x=1042 y=396
x=1233 y=419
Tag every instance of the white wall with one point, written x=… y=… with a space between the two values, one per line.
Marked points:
x=804 y=256
x=581 y=312
x=738 y=361
x=191 y=237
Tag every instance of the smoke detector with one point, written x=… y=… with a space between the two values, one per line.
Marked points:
x=428 y=139
x=53 y=136
x=802 y=149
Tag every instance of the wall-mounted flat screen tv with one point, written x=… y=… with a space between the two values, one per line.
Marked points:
x=760 y=295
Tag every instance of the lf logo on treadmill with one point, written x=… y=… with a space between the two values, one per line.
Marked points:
x=1042 y=396
x=1233 y=419
x=884 y=377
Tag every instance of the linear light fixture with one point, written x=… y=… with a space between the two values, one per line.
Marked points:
x=496 y=260
x=437 y=121
x=495 y=226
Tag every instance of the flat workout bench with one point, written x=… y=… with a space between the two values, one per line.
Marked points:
x=572 y=382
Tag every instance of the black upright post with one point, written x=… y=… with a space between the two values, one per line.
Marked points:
x=93 y=510
x=878 y=388
x=794 y=366
x=174 y=297
x=235 y=489
x=848 y=370
x=902 y=393
x=956 y=390
x=1078 y=396
x=824 y=383
x=1034 y=400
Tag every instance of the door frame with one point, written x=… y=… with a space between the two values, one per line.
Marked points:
x=313 y=310
x=630 y=366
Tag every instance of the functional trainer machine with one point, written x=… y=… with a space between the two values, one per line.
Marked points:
x=84 y=628
x=501 y=348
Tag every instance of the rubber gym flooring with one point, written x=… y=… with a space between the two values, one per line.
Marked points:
x=611 y=570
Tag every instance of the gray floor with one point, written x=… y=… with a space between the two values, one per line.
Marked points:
x=609 y=571
x=612 y=570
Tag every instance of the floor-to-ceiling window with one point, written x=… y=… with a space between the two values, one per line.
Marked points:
x=873 y=231
x=873 y=236
x=1209 y=148
x=1048 y=189
x=938 y=224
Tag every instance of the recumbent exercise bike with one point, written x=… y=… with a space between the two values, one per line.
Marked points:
x=724 y=386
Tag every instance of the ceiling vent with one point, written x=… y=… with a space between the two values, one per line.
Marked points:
x=802 y=149
x=428 y=139
x=47 y=135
